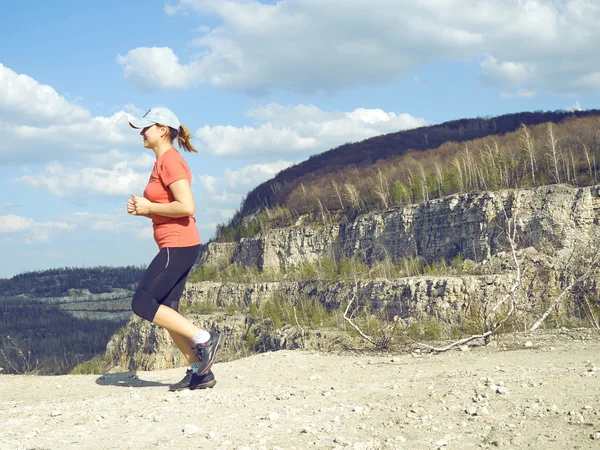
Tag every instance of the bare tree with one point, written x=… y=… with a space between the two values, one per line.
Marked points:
x=325 y=215
x=353 y=195
x=529 y=146
x=491 y=321
x=456 y=163
x=553 y=153
x=382 y=191
x=339 y=196
x=468 y=164
x=439 y=175
x=587 y=158
x=424 y=188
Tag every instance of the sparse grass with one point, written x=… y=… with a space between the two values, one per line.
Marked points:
x=328 y=269
x=205 y=307
x=251 y=340
x=305 y=312
x=253 y=310
x=97 y=365
x=428 y=329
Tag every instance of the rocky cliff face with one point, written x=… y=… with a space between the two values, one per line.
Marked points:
x=143 y=346
x=473 y=225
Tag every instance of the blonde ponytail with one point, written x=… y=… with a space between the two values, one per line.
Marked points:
x=183 y=138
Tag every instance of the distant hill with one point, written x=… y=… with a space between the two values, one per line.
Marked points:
x=52 y=320
x=521 y=150
x=58 y=282
x=365 y=153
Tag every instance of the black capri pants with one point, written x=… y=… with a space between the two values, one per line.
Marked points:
x=164 y=280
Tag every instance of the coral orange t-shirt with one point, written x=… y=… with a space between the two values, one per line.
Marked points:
x=169 y=231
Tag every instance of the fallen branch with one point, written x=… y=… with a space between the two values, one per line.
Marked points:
x=457 y=343
x=355 y=326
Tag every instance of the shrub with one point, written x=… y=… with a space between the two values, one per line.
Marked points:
x=96 y=365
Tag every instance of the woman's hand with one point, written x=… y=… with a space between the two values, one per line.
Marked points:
x=131 y=207
x=138 y=206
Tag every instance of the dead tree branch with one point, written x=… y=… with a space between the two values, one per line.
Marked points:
x=490 y=325
x=21 y=359
x=352 y=324
x=565 y=291
x=592 y=315
x=456 y=343
x=302 y=333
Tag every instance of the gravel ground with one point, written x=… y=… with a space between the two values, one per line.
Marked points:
x=539 y=391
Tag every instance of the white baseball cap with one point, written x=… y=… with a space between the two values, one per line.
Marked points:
x=159 y=115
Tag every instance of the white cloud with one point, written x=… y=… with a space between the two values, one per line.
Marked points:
x=520 y=93
x=108 y=225
x=8 y=206
x=38 y=125
x=250 y=176
x=330 y=45
x=297 y=44
x=223 y=195
x=64 y=141
x=299 y=131
x=71 y=142
x=574 y=107
x=502 y=72
x=222 y=213
x=240 y=181
x=33 y=232
x=24 y=99
x=133 y=110
x=65 y=182
x=144 y=233
x=116 y=221
x=158 y=68
x=15 y=224
x=115 y=157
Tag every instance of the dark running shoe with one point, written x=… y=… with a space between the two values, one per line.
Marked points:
x=203 y=381
x=206 y=352
x=194 y=381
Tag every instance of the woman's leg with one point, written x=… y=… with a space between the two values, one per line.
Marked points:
x=163 y=281
x=182 y=342
x=184 y=345
x=168 y=270
x=174 y=322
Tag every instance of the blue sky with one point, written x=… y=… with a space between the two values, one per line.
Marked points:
x=261 y=85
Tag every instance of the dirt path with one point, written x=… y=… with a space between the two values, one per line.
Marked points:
x=541 y=392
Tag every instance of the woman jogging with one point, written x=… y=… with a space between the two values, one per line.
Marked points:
x=169 y=202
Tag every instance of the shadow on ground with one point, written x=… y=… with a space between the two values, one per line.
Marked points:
x=126 y=379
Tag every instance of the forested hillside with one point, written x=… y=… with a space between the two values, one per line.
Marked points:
x=366 y=153
x=58 y=282
x=43 y=339
x=52 y=320
x=471 y=155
